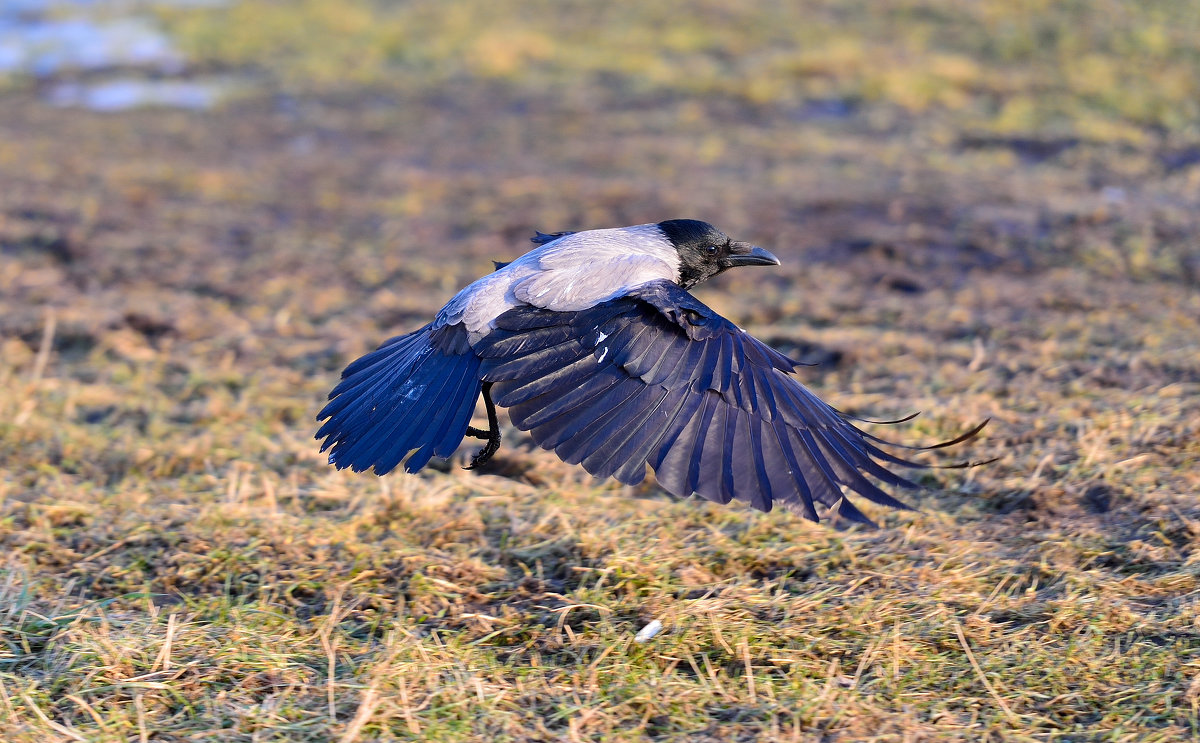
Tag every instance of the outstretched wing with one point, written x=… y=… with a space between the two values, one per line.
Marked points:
x=411 y=397
x=658 y=378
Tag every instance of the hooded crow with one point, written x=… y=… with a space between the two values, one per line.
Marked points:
x=593 y=343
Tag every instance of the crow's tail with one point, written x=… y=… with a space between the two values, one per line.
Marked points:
x=415 y=393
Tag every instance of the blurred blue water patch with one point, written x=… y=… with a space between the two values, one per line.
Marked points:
x=49 y=39
x=45 y=47
x=131 y=92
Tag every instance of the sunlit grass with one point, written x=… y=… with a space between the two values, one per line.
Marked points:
x=1097 y=70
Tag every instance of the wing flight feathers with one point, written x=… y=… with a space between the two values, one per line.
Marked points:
x=657 y=378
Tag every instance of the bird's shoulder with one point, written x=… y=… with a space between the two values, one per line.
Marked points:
x=656 y=309
x=699 y=322
x=677 y=305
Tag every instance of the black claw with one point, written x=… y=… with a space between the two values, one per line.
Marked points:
x=492 y=435
x=483 y=455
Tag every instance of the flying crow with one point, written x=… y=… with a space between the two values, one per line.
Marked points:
x=593 y=343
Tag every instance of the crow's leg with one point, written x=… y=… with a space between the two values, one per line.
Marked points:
x=492 y=435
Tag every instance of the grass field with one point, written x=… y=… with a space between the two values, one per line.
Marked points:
x=984 y=210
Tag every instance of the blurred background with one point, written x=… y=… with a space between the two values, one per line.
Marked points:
x=207 y=208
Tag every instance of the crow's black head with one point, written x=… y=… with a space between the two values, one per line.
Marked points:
x=705 y=251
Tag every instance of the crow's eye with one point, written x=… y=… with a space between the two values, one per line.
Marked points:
x=711 y=249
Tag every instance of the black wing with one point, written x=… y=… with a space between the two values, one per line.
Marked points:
x=658 y=378
x=411 y=397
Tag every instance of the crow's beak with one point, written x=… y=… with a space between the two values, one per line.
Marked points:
x=752 y=256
